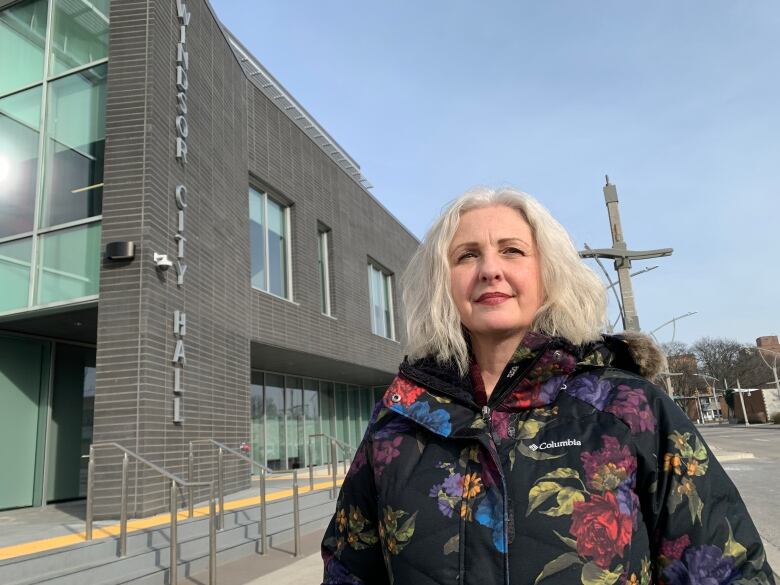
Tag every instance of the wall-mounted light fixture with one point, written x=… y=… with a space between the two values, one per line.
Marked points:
x=120 y=251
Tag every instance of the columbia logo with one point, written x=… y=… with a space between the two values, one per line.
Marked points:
x=554 y=444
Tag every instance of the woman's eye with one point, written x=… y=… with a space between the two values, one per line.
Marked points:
x=514 y=251
x=466 y=256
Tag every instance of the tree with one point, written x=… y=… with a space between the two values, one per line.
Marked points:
x=730 y=360
x=683 y=361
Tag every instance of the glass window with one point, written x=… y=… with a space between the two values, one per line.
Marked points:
x=311 y=414
x=15 y=260
x=380 y=290
x=294 y=416
x=257 y=237
x=80 y=33
x=274 y=421
x=328 y=408
x=270 y=242
x=19 y=132
x=356 y=425
x=75 y=144
x=257 y=417
x=22 y=44
x=342 y=416
x=323 y=262
x=68 y=264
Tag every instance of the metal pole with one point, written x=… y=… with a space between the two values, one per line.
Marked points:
x=173 y=565
x=221 y=488
x=123 y=510
x=212 y=538
x=263 y=515
x=742 y=402
x=346 y=462
x=296 y=515
x=90 y=493
x=191 y=478
x=311 y=466
x=335 y=467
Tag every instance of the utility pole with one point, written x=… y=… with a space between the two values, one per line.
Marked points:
x=742 y=402
x=622 y=256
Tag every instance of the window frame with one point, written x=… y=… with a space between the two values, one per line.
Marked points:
x=287 y=218
x=386 y=298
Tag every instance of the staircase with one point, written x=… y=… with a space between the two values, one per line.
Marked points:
x=97 y=562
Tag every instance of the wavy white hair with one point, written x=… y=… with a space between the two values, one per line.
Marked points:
x=574 y=298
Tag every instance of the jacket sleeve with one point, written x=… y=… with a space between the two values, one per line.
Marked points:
x=699 y=528
x=351 y=549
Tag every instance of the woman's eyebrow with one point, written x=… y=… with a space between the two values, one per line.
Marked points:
x=501 y=242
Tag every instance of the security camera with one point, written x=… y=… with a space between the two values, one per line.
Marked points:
x=162 y=262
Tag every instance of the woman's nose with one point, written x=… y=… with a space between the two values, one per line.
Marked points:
x=490 y=268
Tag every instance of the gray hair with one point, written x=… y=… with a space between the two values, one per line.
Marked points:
x=574 y=298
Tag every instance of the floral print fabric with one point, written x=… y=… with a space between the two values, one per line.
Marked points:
x=575 y=473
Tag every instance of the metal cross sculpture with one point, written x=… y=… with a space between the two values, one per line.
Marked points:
x=622 y=256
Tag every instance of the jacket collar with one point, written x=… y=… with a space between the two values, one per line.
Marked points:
x=438 y=398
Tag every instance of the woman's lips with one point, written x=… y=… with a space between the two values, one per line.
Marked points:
x=492 y=298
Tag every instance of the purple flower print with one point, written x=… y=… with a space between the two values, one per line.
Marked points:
x=336 y=572
x=590 y=389
x=386 y=451
x=434 y=491
x=610 y=466
x=499 y=421
x=445 y=508
x=549 y=389
x=359 y=461
x=630 y=405
x=397 y=426
x=453 y=485
x=702 y=565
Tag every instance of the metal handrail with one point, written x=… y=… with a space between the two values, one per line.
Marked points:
x=348 y=450
x=175 y=482
x=264 y=471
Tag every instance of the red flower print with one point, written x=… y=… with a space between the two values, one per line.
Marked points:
x=601 y=530
x=405 y=389
x=673 y=549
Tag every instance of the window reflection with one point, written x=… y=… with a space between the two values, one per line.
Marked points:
x=75 y=144
x=68 y=264
x=19 y=124
x=22 y=42
x=80 y=33
x=15 y=260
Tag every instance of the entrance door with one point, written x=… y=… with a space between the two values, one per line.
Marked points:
x=22 y=418
x=70 y=430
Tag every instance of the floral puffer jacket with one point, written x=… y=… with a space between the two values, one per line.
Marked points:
x=576 y=470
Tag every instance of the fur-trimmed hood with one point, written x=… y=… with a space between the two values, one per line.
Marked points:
x=636 y=352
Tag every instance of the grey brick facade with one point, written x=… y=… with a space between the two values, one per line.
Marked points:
x=237 y=137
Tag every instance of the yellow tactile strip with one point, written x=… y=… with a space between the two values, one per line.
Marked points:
x=36 y=546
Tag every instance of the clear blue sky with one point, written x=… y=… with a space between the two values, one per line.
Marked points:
x=679 y=102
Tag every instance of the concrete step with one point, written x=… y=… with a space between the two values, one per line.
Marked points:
x=97 y=562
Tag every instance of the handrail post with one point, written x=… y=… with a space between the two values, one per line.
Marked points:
x=173 y=566
x=191 y=478
x=263 y=515
x=221 y=488
x=212 y=537
x=90 y=493
x=311 y=467
x=123 y=510
x=346 y=459
x=296 y=515
x=334 y=461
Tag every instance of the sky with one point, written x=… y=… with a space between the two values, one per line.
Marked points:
x=679 y=102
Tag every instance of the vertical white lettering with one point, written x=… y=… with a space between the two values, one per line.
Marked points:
x=177 y=413
x=182 y=56
x=181 y=240
x=181 y=102
x=178 y=353
x=180 y=268
x=179 y=323
x=181 y=126
x=181 y=196
x=181 y=150
x=177 y=380
x=182 y=82
x=180 y=226
x=182 y=13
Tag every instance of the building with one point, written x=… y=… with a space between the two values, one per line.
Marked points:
x=185 y=253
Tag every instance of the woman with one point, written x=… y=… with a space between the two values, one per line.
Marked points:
x=519 y=445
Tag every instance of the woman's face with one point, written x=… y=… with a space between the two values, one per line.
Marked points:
x=495 y=273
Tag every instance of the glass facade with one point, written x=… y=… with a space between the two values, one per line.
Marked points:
x=286 y=410
x=52 y=140
x=381 y=293
x=269 y=237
